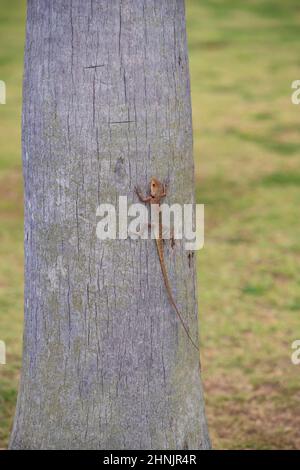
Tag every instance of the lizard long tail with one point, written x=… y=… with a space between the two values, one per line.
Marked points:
x=159 y=246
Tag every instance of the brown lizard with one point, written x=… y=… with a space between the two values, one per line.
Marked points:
x=157 y=193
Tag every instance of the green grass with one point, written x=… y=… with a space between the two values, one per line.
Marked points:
x=244 y=56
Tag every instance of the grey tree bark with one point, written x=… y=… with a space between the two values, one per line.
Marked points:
x=106 y=105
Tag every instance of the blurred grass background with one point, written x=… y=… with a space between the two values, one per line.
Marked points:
x=243 y=57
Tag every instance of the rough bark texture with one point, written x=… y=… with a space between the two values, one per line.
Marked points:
x=106 y=363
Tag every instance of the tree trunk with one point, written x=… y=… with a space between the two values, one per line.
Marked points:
x=106 y=105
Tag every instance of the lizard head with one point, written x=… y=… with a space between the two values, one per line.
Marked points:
x=156 y=187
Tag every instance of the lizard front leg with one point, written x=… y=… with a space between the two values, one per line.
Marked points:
x=145 y=199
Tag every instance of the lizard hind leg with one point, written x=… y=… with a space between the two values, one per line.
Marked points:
x=172 y=237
